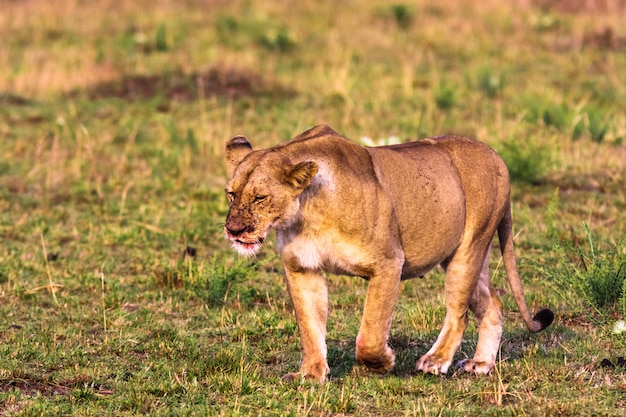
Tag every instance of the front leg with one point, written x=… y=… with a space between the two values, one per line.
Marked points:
x=309 y=295
x=372 y=349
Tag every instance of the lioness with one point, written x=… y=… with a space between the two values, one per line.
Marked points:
x=386 y=214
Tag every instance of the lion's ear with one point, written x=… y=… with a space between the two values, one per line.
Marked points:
x=302 y=174
x=236 y=149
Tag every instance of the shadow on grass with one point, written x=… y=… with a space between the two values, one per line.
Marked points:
x=342 y=362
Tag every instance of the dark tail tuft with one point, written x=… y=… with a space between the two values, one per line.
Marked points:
x=544 y=317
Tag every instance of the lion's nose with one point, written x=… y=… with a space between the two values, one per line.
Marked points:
x=235 y=228
x=235 y=231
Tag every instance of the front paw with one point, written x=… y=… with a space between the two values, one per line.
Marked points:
x=433 y=364
x=376 y=362
x=475 y=367
x=315 y=373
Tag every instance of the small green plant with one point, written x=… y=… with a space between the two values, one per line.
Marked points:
x=216 y=282
x=541 y=109
x=239 y=32
x=599 y=124
x=528 y=162
x=213 y=282
x=557 y=115
x=596 y=276
x=4 y=274
x=490 y=83
x=403 y=15
x=280 y=40
x=552 y=218
x=226 y=27
x=445 y=96
x=622 y=300
x=593 y=122
x=161 y=43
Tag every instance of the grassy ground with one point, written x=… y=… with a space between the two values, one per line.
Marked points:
x=118 y=293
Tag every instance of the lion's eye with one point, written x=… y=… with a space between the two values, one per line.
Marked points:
x=260 y=198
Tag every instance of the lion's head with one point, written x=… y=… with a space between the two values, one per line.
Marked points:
x=262 y=193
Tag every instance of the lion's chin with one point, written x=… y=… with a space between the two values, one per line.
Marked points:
x=248 y=248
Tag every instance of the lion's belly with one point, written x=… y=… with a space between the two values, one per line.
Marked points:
x=429 y=205
x=431 y=240
x=431 y=228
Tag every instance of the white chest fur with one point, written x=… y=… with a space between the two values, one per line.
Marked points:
x=323 y=251
x=306 y=249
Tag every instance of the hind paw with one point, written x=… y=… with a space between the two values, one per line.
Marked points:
x=432 y=364
x=475 y=367
x=377 y=362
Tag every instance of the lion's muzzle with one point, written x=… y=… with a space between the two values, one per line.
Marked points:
x=246 y=240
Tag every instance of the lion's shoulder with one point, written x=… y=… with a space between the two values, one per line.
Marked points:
x=326 y=147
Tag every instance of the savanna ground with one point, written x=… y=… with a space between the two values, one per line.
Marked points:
x=118 y=293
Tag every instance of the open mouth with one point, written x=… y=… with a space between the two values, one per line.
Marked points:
x=248 y=248
x=244 y=243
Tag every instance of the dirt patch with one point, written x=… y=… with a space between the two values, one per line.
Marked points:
x=178 y=86
x=604 y=39
x=604 y=182
x=29 y=385
x=10 y=99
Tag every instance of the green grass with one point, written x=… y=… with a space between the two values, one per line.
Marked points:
x=120 y=296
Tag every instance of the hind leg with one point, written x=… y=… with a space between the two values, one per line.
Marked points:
x=487 y=308
x=462 y=275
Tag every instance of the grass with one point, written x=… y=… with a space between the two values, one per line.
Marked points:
x=118 y=293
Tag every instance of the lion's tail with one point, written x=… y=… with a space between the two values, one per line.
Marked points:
x=544 y=317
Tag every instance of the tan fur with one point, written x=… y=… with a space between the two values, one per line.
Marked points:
x=386 y=214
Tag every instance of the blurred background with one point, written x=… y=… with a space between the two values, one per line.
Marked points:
x=113 y=119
